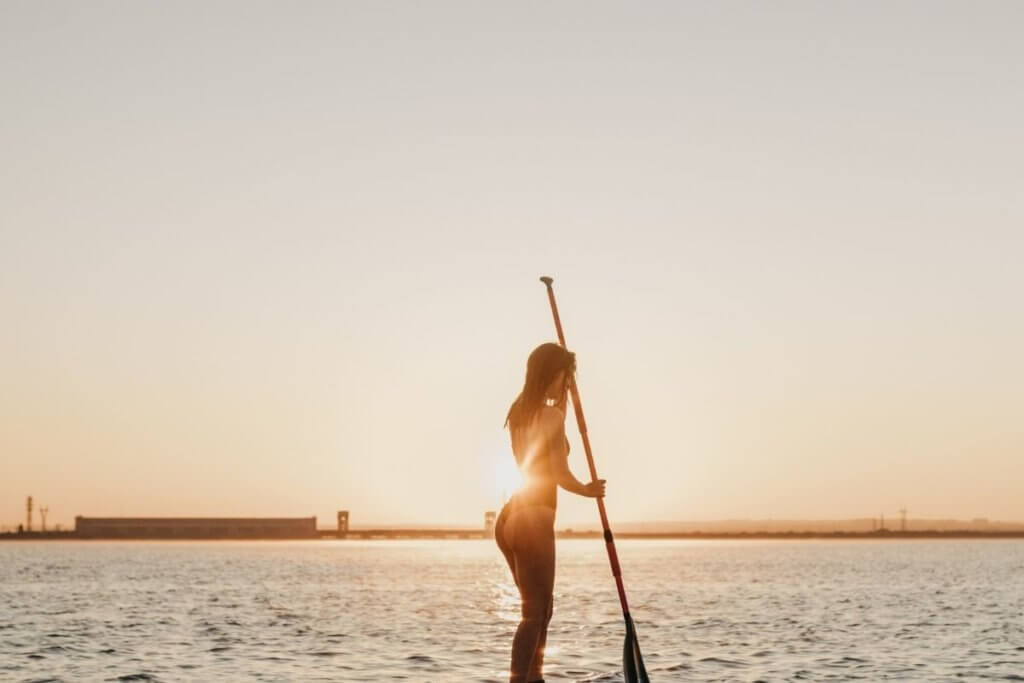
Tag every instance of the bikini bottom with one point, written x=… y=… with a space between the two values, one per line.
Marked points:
x=499 y=532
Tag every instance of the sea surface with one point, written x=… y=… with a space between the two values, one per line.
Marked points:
x=771 y=610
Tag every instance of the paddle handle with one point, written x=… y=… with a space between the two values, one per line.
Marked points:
x=609 y=541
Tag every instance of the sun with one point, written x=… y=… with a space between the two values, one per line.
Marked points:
x=506 y=476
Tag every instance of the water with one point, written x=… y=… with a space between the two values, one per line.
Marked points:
x=446 y=611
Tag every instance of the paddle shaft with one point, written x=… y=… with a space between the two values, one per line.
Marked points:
x=609 y=542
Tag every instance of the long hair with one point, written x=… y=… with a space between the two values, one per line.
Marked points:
x=544 y=363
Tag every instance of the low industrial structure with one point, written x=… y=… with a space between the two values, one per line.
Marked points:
x=195 y=527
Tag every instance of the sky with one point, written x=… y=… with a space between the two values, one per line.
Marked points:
x=282 y=259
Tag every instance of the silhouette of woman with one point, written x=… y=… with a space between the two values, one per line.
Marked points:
x=525 y=527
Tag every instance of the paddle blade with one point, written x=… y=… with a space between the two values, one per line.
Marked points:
x=632 y=662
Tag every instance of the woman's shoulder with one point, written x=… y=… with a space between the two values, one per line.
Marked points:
x=550 y=421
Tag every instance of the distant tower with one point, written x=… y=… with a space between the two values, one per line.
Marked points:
x=28 y=515
x=489 y=522
x=42 y=514
x=903 y=519
x=342 y=522
x=881 y=523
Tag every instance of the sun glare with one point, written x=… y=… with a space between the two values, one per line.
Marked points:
x=507 y=478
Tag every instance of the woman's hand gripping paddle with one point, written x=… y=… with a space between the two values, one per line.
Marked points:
x=632 y=662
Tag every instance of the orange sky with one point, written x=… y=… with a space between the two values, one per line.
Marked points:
x=283 y=262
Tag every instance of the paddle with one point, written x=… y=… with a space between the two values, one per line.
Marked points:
x=632 y=662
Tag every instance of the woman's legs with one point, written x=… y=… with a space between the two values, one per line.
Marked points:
x=530 y=533
x=537 y=664
x=503 y=544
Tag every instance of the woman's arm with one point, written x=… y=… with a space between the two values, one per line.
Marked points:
x=553 y=426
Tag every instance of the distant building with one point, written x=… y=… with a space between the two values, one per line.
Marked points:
x=195 y=527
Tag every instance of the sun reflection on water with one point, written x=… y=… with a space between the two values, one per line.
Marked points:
x=507 y=601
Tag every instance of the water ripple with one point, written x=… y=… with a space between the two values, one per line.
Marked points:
x=447 y=610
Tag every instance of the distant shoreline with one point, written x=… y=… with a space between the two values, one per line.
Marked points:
x=464 y=534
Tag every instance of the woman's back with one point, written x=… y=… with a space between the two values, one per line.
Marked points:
x=534 y=444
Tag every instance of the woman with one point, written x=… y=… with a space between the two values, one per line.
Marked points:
x=525 y=528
